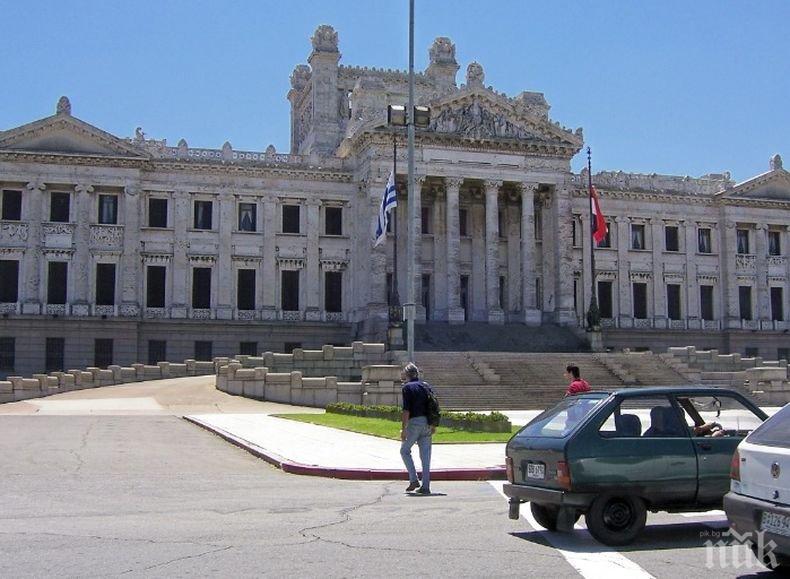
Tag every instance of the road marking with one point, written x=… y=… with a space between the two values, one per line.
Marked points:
x=583 y=553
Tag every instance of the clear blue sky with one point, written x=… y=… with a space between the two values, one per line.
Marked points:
x=682 y=87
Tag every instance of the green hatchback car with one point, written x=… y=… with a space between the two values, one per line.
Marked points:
x=613 y=456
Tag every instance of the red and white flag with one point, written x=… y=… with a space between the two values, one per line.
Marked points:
x=599 y=222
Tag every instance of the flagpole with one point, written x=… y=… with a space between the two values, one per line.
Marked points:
x=395 y=314
x=593 y=315
x=413 y=209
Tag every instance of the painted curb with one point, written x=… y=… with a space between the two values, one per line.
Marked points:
x=291 y=467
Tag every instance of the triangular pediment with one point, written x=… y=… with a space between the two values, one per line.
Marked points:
x=64 y=134
x=773 y=185
x=479 y=113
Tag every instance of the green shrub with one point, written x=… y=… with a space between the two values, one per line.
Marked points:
x=474 y=421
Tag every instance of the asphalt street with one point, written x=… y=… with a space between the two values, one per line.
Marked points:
x=152 y=495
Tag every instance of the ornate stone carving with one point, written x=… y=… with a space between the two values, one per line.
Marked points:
x=247 y=315
x=442 y=51
x=334 y=264
x=83 y=188
x=36 y=186
x=106 y=235
x=10 y=232
x=132 y=189
x=57 y=228
x=475 y=76
x=300 y=77
x=64 y=106
x=201 y=314
x=104 y=311
x=324 y=39
x=474 y=120
x=56 y=309
x=744 y=262
x=291 y=316
x=286 y=263
x=776 y=162
x=155 y=313
x=227 y=151
x=334 y=316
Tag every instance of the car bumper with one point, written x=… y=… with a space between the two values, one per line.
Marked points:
x=544 y=496
x=745 y=513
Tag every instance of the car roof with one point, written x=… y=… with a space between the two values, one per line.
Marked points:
x=647 y=390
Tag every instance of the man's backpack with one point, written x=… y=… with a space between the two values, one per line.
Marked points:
x=434 y=415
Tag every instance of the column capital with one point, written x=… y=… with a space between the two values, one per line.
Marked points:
x=453 y=182
x=313 y=202
x=492 y=185
x=36 y=185
x=83 y=188
x=761 y=226
x=132 y=189
x=529 y=187
x=420 y=179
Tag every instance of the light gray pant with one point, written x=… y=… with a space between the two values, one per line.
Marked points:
x=418 y=431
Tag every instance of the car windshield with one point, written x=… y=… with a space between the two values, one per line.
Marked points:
x=775 y=431
x=562 y=419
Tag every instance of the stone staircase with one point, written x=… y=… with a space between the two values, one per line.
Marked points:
x=645 y=369
x=480 y=336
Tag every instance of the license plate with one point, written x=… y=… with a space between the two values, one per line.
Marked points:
x=535 y=470
x=775 y=523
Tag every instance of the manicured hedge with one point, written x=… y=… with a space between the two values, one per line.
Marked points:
x=474 y=421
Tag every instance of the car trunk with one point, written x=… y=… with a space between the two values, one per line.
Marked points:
x=535 y=460
x=757 y=480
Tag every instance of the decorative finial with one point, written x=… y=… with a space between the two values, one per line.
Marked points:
x=64 y=106
x=475 y=76
x=442 y=51
x=776 y=162
x=324 y=39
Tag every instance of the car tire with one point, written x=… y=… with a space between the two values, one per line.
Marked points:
x=546 y=515
x=616 y=520
x=779 y=564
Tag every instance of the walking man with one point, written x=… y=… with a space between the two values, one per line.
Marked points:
x=577 y=383
x=415 y=428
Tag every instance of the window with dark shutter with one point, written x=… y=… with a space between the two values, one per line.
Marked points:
x=204 y=351
x=9 y=280
x=108 y=209
x=102 y=352
x=334 y=220
x=673 y=301
x=203 y=214
x=7 y=354
x=201 y=287
x=777 y=304
x=605 y=298
x=248 y=348
x=157 y=213
x=57 y=282
x=12 y=205
x=290 y=219
x=245 y=291
x=59 y=207
x=157 y=351
x=745 y=302
x=54 y=354
x=671 y=238
x=105 y=284
x=248 y=218
x=333 y=291
x=640 y=301
x=290 y=290
x=706 y=302
x=155 y=286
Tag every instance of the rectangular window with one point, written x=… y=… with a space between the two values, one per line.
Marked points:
x=574 y=232
x=671 y=238
x=425 y=220
x=745 y=301
x=59 y=207
x=245 y=290
x=538 y=293
x=751 y=352
x=204 y=351
x=290 y=290
x=463 y=216
x=290 y=219
x=201 y=287
x=157 y=351
x=248 y=217
x=102 y=352
x=783 y=354
x=9 y=280
x=54 y=354
x=538 y=224
x=390 y=289
x=57 y=281
x=637 y=236
x=333 y=291
x=105 y=284
x=706 y=301
x=12 y=205
x=248 y=348
x=673 y=301
x=640 y=301
x=742 y=238
x=774 y=243
x=203 y=211
x=155 y=286
x=108 y=209
x=7 y=354
x=607 y=240
x=289 y=347
x=777 y=304
x=605 y=298
x=704 y=240
x=333 y=218
x=500 y=223
x=157 y=212
x=426 y=295
x=502 y=286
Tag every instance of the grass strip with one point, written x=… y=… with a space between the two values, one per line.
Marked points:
x=391 y=429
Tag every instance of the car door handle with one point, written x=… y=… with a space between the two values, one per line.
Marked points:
x=704 y=445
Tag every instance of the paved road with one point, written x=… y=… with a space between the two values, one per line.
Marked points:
x=96 y=489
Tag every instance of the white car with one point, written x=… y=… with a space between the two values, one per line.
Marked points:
x=758 y=504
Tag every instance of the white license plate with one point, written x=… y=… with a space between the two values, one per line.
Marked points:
x=775 y=523
x=536 y=470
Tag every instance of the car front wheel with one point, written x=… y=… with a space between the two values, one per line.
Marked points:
x=616 y=520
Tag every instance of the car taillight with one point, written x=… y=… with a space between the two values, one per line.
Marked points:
x=563 y=474
x=509 y=467
x=735 y=466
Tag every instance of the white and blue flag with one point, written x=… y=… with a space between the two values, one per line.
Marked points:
x=388 y=201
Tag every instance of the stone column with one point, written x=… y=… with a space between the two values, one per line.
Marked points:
x=586 y=237
x=513 y=276
x=531 y=309
x=548 y=272
x=693 y=314
x=80 y=273
x=377 y=318
x=129 y=270
x=417 y=224
x=763 y=294
x=269 y=266
x=455 y=313
x=660 y=316
x=180 y=270
x=312 y=270
x=563 y=271
x=729 y=278
x=439 y=277
x=477 y=279
x=32 y=261
x=495 y=313
x=223 y=272
x=625 y=312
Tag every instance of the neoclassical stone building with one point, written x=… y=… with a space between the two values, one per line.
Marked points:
x=120 y=250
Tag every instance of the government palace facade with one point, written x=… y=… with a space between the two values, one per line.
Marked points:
x=119 y=250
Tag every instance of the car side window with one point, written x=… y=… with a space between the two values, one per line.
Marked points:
x=643 y=416
x=717 y=415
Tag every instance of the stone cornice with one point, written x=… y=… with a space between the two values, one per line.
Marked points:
x=647 y=196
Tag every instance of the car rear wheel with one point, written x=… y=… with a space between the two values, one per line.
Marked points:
x=774 y=561
x=547 y=515
x=616 y=520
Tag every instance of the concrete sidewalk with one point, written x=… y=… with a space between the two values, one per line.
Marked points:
x=309 y=449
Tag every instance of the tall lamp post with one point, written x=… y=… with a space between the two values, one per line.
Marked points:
x=397 y=116
x=593 y=314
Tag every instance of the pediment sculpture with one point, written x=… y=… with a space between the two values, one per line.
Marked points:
x=476 y=121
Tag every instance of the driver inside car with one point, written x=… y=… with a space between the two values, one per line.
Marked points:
x=713 y=429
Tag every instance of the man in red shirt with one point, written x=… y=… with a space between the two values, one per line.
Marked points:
x=577 y=384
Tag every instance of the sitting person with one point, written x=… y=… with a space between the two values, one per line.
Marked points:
x=663 y=422
x=713 y=429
